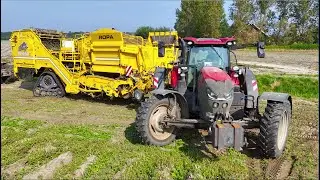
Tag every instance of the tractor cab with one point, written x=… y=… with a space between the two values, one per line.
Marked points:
x=208 y=59
x=207 y=52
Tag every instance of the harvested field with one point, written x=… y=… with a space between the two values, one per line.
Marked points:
x=283 y=62
x=96 y=139
x=79 y=137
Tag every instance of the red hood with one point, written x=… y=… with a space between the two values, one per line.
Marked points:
x=214 y=73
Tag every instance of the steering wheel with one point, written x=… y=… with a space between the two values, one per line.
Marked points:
x=214 y=63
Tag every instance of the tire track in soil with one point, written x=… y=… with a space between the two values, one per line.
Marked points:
x=47 y=171
x=13 y=168
x=279 y=168
x=128 y=163
x=80 y=172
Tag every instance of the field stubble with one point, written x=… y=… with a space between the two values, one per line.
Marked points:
x=104 y=130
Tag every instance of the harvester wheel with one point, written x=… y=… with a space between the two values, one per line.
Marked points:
x=149 y=121
x=274 y=127
x=48 y=84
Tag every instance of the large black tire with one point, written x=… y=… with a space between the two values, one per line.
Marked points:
x=274 y=125
x=151 y=111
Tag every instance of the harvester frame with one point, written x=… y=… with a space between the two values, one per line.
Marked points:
x=103 y=62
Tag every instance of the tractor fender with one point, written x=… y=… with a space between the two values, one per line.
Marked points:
x=251 y=87
x=180 y=99
x=279 y=97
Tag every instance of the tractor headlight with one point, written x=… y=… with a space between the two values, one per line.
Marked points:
x=211 y=94
x=229 y=94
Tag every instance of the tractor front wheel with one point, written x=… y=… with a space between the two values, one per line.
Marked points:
x=150 y=120
x=274 y=127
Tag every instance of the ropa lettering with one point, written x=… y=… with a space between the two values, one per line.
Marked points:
x=106 y=37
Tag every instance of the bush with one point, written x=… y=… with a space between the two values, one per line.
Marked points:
x=297 y=46
x=144 y=30
x=299 y=86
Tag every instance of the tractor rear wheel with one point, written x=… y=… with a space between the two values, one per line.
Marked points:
x=274 y=127
x=149 y=121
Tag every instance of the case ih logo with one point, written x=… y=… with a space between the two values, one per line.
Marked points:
x=106 y=37
x=23 y=47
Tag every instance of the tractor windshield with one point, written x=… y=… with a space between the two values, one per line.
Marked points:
x=209 y=56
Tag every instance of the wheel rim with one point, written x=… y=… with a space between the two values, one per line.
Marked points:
x=155 y=128
x=282 y=130
x=47 y=80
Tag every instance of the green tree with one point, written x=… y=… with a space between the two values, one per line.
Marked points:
x=162 y=29
x=282 y=25
x=264 y=15
x=302 y=13
x=199 y=18
x=5 y=35
x=224 y=27
x=144 y=31
x=241 y=13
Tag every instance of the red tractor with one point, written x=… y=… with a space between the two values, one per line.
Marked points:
x=205 y=92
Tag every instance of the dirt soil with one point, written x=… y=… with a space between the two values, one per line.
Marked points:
x=289 y=62
x=300 y=157
x=17 y=101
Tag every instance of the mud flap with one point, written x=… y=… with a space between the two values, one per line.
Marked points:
x=228 y=135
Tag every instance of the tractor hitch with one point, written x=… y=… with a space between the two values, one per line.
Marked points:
x=184 y=123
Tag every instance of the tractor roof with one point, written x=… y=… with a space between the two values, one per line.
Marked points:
x=206 y=41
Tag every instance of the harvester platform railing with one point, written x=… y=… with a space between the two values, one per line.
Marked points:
x=168 y=38
x=48 y=34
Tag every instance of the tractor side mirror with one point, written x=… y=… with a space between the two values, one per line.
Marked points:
x=161 y=49
x=260 y=50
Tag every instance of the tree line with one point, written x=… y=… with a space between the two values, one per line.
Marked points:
x=285 y=22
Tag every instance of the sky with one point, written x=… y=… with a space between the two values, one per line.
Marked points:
x=88 y=15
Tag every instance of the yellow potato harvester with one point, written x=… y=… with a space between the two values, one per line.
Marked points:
x=105 y=61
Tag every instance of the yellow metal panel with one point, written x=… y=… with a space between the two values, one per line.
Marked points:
x=111 y=69
x=104 y=50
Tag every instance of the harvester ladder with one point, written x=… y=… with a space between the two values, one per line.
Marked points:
x=72 y=57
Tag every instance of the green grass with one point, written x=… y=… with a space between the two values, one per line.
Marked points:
x=296 y=85
x=114 y=152
x=117 y=146
x=67 y=125
x=297 y=46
